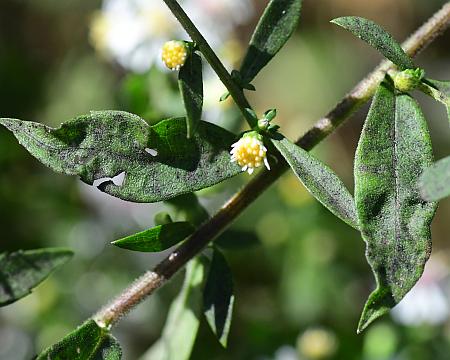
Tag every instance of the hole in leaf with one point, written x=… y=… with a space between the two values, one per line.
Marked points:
x=116 y=180
x=152 y=152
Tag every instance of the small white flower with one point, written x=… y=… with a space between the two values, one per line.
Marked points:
x=249 y=152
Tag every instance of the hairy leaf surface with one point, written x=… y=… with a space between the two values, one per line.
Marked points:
x=156 y=239
x=273 y=30
x=320 y=181
x=21 y=271
x=393 y=151
x=377 y=37
x=218 y=297
x=435 y=181
x=88 y=342
x=183 y=320
x=158 y=161
x=190 y=81
x=439 y=90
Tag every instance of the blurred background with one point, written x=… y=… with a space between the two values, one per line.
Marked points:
x=300 y=274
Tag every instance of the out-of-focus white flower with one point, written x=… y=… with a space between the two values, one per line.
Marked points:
x=317 y=344
x=132 y=32
x=426 y=303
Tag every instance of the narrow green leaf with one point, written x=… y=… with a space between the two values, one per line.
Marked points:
x=320 y=181
x=273 y=30
x=434 y=183
x=377 y=37
x=218 y=297
x=439 y=90
x=393 y=151
x=190 y=81
x=21 y=271
x=88 y=342
x=183 y=320
x=105 y=144
x=156 y=239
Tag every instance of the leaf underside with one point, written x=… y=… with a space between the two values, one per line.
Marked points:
x=377 y=37
x=440 y=91
x=393 y=151
x=158 y=161
x=435 y=181
x=218 y=297
x=275 y=27
x=159 y=238
x=21 y=271
x=88 y=342
x=190 y=81
x=183 y=320
x=320 y=181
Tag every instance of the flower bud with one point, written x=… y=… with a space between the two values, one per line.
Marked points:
x=408 y=80
x=174 y=54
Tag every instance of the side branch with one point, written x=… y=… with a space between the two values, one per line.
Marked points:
x=152 y=280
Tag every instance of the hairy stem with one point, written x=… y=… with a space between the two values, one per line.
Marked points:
x=235 y=91
x=361 y=93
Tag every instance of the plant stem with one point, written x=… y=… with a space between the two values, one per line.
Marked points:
x=152 y=280
x=235 y=91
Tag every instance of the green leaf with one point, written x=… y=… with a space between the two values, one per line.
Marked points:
x=158 y=161
x=188 y=207
x=439 y=90
x=190 y=81
x=393 y=151
x=21 y=271
x=273 y=30
x=183 y=320
x=434 y=183
x=377 y=37
x=218 y=297
x=88 y=342
x=159 y=238
x=320 y=181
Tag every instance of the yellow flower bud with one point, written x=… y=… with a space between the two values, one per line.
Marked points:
x=249 y=152
x=174 y=54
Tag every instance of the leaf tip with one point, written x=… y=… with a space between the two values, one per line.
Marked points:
x=378 y=304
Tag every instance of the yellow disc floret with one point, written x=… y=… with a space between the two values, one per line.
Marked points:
x=174 y=54
x=249 y=152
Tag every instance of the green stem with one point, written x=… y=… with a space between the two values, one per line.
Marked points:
x=235 y=91
x=152 y=280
